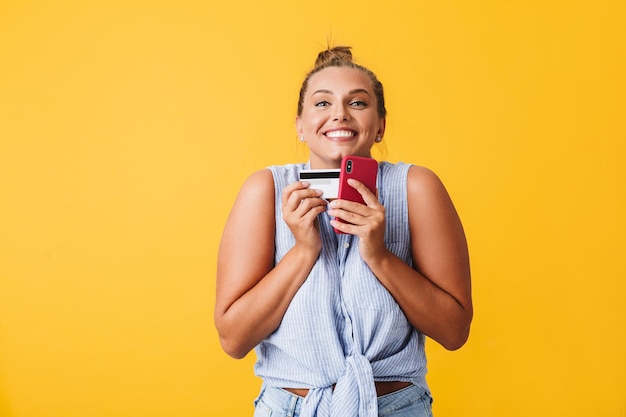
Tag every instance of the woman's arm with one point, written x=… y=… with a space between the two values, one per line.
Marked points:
x=435 y=294
x=252 y=295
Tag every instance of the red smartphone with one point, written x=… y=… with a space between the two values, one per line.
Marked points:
x=361 y=169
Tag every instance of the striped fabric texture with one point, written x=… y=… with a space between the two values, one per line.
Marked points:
x=343 y=330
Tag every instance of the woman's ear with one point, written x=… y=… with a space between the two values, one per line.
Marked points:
x=381 y=127
x=299 y=126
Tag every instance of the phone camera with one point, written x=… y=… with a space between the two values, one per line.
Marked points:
x=349 y=166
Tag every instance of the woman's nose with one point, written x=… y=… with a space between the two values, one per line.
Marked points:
x=340 y=113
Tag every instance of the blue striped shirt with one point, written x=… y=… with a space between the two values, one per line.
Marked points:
x=343 y=330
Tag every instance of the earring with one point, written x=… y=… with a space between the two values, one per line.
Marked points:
x=378 y=139
x=301 y=138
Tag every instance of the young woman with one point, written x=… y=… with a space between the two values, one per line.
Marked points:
x=338 y=321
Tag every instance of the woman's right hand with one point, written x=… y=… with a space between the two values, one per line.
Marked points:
x=300 y=207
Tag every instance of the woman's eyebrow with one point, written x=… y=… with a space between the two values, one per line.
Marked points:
x=355 y=91
x=359 y=90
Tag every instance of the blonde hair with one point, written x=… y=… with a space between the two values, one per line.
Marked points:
x=341 y=56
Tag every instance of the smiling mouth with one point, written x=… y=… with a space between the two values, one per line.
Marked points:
x=340 y=134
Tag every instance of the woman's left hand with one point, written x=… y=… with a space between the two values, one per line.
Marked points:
x=367 y=221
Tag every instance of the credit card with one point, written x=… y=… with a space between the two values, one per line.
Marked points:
x=326 y=180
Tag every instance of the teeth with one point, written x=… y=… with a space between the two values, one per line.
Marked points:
x=340 y=134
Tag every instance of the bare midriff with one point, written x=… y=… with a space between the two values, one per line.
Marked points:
x=382 y=388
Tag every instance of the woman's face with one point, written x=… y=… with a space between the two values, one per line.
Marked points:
x=339 y=116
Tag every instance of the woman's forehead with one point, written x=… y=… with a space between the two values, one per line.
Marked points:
x=335 y=79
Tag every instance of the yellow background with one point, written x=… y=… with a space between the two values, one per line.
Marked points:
x=127 y=127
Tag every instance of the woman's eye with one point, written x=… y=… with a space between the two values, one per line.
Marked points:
x=322 y=103
x=358 y=103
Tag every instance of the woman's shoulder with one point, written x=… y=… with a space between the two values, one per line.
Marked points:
x=419 y=179
x=427 y=194
x=285 y=174
x=257 y=184
x=416 y=169
x=267 y=178
x=423 y=178
x=259 y=176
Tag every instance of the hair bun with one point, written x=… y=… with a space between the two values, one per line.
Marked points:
x=336 y=54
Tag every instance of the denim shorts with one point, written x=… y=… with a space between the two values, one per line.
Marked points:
x=412 y=401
